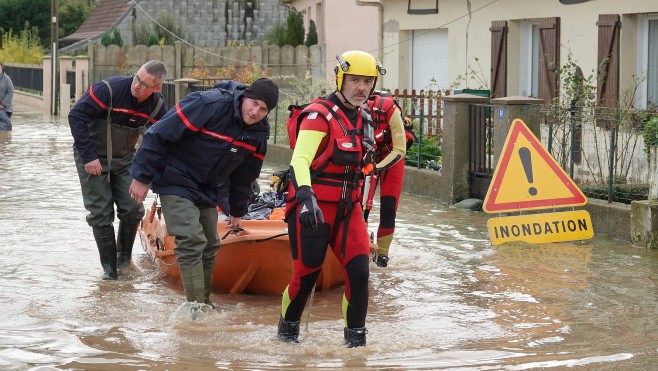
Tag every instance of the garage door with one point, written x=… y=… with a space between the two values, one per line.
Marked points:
x=430 y=58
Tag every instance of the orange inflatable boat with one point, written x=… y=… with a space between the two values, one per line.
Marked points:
x=255 y=260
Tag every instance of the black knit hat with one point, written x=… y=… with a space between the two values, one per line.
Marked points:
x=265 y=90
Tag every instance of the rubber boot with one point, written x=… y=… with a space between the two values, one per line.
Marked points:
x=125 y=241
x=107 y=249
x=355 y=337
x=207 y=286
x=193 y=283
x=382 y=260
x=288 y=330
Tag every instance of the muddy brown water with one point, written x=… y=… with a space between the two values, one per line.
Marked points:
x=448 y=300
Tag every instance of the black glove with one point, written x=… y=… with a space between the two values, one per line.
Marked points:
x=310 y=214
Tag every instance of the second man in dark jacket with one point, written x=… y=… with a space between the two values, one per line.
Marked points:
x=207 y=138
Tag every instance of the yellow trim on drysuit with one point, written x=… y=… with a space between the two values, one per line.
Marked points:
x=399 y=142
x=308 y=142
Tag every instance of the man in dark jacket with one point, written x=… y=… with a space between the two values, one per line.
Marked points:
x=208 y=138
x=105 y=124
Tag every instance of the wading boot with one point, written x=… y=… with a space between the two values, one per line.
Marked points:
x=355 y=337
x=107 y=249
x=207 y=286
x=125 y=241
x=382 y=260
x=193 y=283
x=288 y=330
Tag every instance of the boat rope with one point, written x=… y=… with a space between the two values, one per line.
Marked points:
x=271 y=237
x=237 y=230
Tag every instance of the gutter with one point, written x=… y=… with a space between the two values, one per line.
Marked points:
x=380 y=32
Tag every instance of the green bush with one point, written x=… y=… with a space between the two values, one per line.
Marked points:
x=153 y=39
x=312 y=37
x=295 y=28
x=650 y=133
x=23 y=48
x=430 y=154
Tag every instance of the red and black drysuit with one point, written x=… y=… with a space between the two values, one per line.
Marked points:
x=327 y=158
x=391 y=143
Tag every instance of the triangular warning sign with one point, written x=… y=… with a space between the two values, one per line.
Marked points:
x=528 y=177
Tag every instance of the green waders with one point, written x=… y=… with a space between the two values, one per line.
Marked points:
x=195 y=230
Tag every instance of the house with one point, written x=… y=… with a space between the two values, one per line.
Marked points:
x=520 y=44
x=342 y=25
x=202 y=23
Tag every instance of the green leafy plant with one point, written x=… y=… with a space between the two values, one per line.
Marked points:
x=650 y=133
x=312 y=37
x=295 y=28
x=430 y=154
x=22 y=48
x=113 y=37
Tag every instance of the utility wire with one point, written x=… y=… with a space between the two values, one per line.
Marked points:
x=469 y=14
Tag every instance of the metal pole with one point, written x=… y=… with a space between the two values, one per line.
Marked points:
x=611 y=167
x=573 y=139
x=54 y=64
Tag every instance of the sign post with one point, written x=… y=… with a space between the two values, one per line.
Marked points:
x=527 y=177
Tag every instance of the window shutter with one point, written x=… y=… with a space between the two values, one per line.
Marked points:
x=498 y=59
x=549 y=58
x=608 y=60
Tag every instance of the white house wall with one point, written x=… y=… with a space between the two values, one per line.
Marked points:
x=342 y=26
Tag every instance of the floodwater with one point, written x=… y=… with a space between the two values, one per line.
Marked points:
x=448 y=300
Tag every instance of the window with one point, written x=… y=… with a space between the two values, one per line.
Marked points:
x=648 y=60
x=529 y=81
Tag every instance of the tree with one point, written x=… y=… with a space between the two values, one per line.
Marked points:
x=116 y=38
x=277 y=35
x=312 y=37
x=112 y=38
x=294 y=28
x=15 y=13
x=71 y=15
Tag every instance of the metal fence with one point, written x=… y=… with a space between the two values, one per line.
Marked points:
x=424 y=108
x=601 y=149
x=28 y=79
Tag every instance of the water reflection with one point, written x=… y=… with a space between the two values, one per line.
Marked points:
x=448 y=300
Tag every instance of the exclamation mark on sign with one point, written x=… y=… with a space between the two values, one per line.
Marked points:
x=526 y=161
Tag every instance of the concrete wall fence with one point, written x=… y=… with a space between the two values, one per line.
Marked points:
x=182 y=60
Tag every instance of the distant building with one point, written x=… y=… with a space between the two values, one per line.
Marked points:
x=203 y=23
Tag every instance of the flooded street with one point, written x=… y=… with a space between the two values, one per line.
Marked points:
x=448 y=300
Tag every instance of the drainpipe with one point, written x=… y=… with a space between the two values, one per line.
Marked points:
x=380 y=32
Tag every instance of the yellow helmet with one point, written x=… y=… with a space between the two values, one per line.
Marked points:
x=356 y=62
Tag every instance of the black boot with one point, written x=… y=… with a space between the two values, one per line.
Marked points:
x=355 y=337
x=382 y=260
x=125 y=241
x=107 y=248
x=288 y=330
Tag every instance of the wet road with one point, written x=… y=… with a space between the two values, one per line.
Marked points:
x=448 y=300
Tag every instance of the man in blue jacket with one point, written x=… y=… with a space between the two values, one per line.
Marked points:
x=206 y=139
x=106 y=123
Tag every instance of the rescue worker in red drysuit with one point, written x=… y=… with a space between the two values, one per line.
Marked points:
x=391 y=142
x=326 y=177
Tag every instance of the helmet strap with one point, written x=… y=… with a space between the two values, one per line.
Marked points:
x=344 y=99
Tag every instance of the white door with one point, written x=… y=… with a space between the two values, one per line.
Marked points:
x=429 y=50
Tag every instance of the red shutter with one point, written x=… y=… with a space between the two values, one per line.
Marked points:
x=608 y=60
x=498 y=59
x=549 y=58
